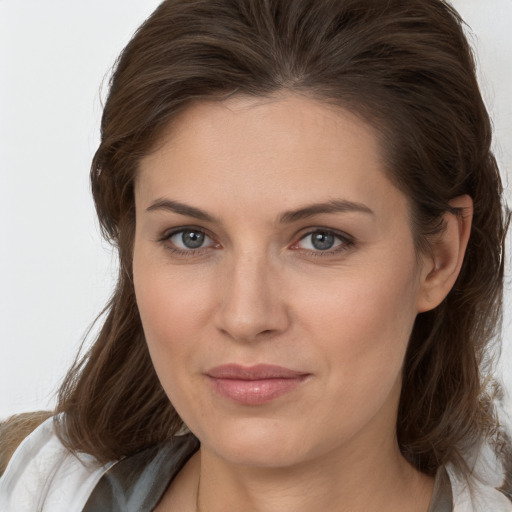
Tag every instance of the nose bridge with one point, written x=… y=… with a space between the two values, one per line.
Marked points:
x=251 y=303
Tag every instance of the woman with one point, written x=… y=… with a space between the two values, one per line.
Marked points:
x=310 y=229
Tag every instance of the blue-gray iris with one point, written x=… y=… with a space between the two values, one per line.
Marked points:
x=192 y=239
x=322 y=240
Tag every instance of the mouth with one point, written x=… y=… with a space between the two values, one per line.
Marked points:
x=254 y=385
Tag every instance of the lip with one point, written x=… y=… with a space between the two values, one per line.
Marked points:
x=254 y=385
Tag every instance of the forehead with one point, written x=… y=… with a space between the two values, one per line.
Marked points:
x=283 y=124
x=264 y=152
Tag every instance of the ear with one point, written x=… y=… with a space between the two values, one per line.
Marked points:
x=441 y=267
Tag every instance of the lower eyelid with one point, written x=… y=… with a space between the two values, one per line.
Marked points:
x=337 y=252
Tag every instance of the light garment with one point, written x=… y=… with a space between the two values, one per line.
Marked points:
x=43 y=476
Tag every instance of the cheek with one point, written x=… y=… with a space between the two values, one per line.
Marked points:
x=361 y=324
x=173 y=309
x=371 y=304
x=172 y=317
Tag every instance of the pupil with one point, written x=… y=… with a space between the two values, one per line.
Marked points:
x=323 y=241
x=192 y=239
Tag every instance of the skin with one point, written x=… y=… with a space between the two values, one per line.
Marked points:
x=258 y=291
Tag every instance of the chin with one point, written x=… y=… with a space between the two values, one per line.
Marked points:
x=258 y=443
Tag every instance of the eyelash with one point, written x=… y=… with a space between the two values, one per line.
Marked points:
x=347 y=242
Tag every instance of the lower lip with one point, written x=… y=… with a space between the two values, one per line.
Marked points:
x=255 y=392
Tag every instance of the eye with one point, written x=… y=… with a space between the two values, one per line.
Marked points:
x=323 y=240
x=188 y=240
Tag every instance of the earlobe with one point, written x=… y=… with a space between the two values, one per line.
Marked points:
x=442 y=266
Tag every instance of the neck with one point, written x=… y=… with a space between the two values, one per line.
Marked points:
x=355 y=480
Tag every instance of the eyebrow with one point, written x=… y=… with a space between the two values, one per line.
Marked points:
x=333 y=206
x=180 y=208
x=288 y=217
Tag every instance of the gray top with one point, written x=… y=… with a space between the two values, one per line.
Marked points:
x=137 y=483
x=442 y=498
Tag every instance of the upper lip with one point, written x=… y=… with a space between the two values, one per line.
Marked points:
x=256 y=372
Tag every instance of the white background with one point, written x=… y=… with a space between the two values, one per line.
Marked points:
x=55 y=271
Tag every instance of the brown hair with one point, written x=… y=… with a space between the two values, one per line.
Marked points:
x=14 y=429
x=404 y=66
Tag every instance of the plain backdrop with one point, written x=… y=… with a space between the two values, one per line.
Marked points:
x=55 y=271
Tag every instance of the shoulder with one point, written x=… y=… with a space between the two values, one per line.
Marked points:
x=33 y=479
x=477 y=493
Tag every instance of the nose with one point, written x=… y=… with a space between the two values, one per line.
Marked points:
x=252 y=304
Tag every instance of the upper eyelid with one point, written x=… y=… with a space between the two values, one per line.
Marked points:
x=346 y=241
x=168 y=233
x=340 y=234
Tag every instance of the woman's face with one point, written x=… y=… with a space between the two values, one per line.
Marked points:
x=267 y=233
